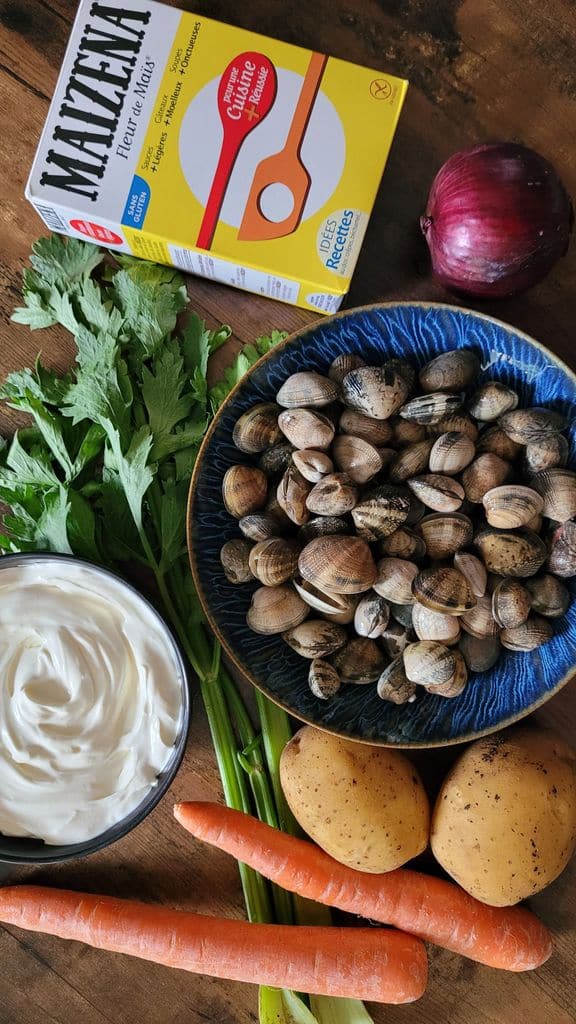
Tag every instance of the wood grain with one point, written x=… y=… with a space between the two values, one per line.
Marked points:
x=496 y=69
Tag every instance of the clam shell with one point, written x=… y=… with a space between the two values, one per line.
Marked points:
x=511 y=553
x=451 y=453
x=361 y=661
x=450 y=371
x=549 y=596
x=312 y=465
x=316 y=638
x=234 y=556
x=335 y=607
x=333 y=495
x=410 y=461
x=395 y=638
x=526 y=426
x=387 y=455
x=274 y=509
x=456 y=683
x=257 y=429
x=482 y=474
x=305 y=428
x=404 y=543
x=341 y=564
x=548 y=454
x=491 y=401
x=376 y=432
x=494 y=440
x=480 y=653
x=562 y=559
x=403 y=613
x=244 y=490
x=444 y=590
x=292 y=492
x=558 y=490
x=394 y=579
x=457 y=422
x=323 y=679
x=259 y=526
x=381 y=512
x=511 y=505
x=307 y=389
x=528 y=636
x=511 y=603
x=473 y=569
x=276 y=459
x=371 y=616
x=374 y=390
x=429 y=663
x=444 y=534
x=479 y=621
x=356 y=457
x=407 y=432
x=430 y=408
x=439 y=492
x=274 y=561
x=404 y=368
x=343 y=364
x=394 y=685
x=276 y=609
x=322 y=526
x=431 y=625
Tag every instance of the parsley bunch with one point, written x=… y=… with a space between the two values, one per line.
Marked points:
x=103 y=473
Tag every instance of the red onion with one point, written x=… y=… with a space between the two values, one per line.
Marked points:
x=498 y=217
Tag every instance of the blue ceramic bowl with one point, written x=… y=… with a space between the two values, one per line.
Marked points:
x=519 y=683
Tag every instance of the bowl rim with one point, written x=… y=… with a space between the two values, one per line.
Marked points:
x=165 y=777
x=230 y=654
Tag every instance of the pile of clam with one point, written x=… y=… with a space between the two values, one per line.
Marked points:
x=401 y=538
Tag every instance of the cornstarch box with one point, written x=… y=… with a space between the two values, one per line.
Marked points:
x=236 y=157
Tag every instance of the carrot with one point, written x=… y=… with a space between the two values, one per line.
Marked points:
x=356 y=963
x=438 y=911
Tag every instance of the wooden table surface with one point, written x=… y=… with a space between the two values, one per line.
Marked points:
x=495 y=69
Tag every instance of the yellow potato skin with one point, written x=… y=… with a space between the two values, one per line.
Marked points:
x=504 y=823
x=364 y=805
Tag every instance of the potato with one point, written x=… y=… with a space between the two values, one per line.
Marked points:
x=363 y=805
x=504 y=824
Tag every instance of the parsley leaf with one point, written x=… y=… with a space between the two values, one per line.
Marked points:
x=133 y=472
x=150 y=299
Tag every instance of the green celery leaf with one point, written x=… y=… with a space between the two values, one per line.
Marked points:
x=197 y=344
x=50 y=427
x=282 y=1006
x=184 y=461
x=32 y=467
x=61 y=306
x=35 y=312
x=150 y=299
x=100 y=393
x=133 y=472
x=162 y=388
x=91 y=446
x=172 y=523
x=81 y=527
x=17 y=495
x=48 y=386
x=51 y=528
x=63 y=261
x=97 y=309
x=118 y=528
x=184 y=438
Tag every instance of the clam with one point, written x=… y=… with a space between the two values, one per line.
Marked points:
x=417 y=509
x=394 y=579
x=431 y=625
x=323 y=679
x=457 y=422
x=322 y=526
x=361 y=661
x=404 y=368
x=494 y=440
x=307 y=389
x=274 y=561
x=429 y=663
x=371 y=616
x=439 y=492
x=276 y=609
x=451 y=452
x=450 y=371
x=259 y=526
x=316 y=638
x=234 y=556
x=549 y=596
x=292 y=492
x=558 y=489
x=482 y=474
x=338 y=563
x=546 y=454
x=511 y=553
x=311 y=464
x=395 y=638
x=455 y=685
x=444 y=590
x=356 y=457
x=387 y=455
x=473 y=569
x=394 y=685
x=511 y=505
x=377 y=432
x=430 y=408
x=528 y=636
x=333 y=495
x=410 y=461
x=491 y=401
x=335 y=607
x=403 y=613
x=562 y=559
x=479 y=621
x=244 y=490
x=511 y=603
x=443 y=535
x=381 y=512
x=257 y=429
x=343 y=364
x=535 y=523
x=305 y=428
x=276 y=459
x=526 y=426
x=404 y=543
x=407 y=432
x=374 y=390
x=273 y=509
x=480 y=653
